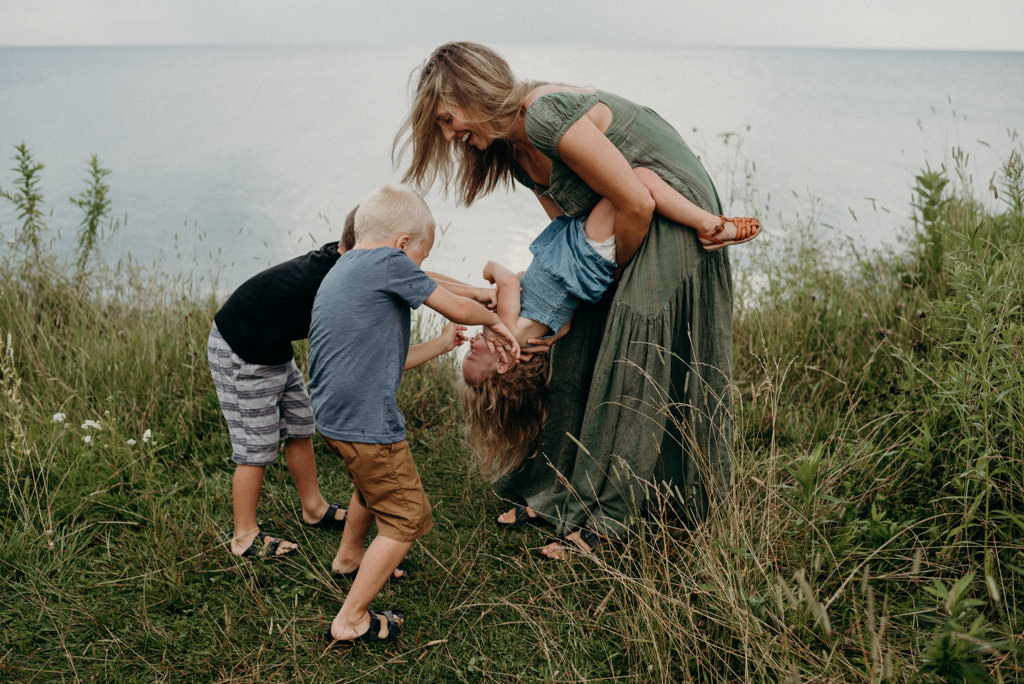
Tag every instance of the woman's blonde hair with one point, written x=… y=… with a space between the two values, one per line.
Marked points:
x=505 y=415
x=474 y=77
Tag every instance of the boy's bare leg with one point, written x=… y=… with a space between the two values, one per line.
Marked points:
x=350 y=550
x=301 y=461
x=378 y=564
x=245 y=494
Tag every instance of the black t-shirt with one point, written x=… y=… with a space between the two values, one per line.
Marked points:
x=272 y=308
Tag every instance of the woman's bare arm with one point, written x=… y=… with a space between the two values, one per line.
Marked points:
x=551 y=207
x=594 y=158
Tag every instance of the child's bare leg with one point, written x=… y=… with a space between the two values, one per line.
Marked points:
x=378 y=564
x=674 y=206
x=301 y=461
x=600 y=223
x=350 y=550
x=245 y=495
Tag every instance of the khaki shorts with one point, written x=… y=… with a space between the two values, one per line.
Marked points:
x=387 y=484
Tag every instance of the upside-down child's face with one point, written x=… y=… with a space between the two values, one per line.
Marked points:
x=480 y=364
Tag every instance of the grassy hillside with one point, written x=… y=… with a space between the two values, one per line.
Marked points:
x=873 y=532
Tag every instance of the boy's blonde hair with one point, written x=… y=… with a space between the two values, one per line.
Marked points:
x=470 y=76
x=505 y=415
x=392 y=210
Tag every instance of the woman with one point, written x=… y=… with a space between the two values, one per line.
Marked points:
x=639 y=389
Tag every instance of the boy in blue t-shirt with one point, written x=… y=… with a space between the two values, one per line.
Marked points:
x=359 y=346
x=263 y=396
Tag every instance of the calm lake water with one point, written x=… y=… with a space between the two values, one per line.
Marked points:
x=228 y=159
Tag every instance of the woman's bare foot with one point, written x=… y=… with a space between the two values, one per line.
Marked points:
x=559 y=549
x=519 y=516
x=554 y=551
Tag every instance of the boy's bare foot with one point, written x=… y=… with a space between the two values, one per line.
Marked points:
x=262 y=546
x=373 y=626
x=399 y=573
x=332 y=517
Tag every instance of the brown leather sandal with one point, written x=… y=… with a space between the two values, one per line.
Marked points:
x=746 y=229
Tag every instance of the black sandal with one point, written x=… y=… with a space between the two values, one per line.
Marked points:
x=329 y=521
x=523 y=519
x=394 y=618
x=262 y=548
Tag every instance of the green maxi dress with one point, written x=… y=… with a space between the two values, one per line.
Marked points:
x=639 y=387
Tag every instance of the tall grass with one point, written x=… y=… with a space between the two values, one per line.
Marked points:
x=873 y=531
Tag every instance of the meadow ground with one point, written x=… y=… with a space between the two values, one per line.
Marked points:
x=873 y=531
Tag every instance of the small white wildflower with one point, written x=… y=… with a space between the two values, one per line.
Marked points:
x=87 y=439
x=91 y=424
x=131 y=442
x=147 y=435
x=58 y=417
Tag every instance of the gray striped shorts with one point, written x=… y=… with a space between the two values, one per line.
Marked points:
x=262 y=404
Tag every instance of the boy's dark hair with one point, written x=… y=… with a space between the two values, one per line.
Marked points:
x=348 y=233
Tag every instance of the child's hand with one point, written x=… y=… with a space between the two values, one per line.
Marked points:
x=488 y=296
x=499 y=336
x=452 y=335
x=542 y=345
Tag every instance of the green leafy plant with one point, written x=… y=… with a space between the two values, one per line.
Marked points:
x=94 y=201
x=27 y=199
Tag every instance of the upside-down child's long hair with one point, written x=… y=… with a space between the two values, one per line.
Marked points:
x=505 y=415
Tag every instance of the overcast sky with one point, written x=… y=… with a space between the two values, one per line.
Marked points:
x=903 y=24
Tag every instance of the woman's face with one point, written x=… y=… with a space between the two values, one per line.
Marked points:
x=480 y=363
x=456 y=127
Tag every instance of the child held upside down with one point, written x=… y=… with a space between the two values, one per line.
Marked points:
x=574 y=261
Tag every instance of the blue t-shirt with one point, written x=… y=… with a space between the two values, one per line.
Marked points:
x=358 y=341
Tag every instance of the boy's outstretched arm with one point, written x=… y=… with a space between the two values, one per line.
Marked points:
x=452 y=335
x=484 y=295
x=468 y=312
